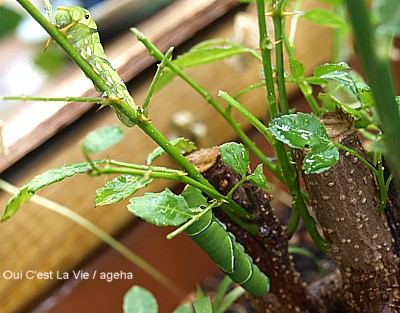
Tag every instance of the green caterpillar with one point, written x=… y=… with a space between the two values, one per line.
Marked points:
x=211 y=236
x=81 y=31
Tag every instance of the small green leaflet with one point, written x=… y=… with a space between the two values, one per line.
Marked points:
x=120 y=188
x=102 y=138
x=203 y=305
x=204 y=53
x=331 y=103
x=235 y=156
x=258 y=178
x=161 y=209
x=329 y=68
x=182 y=144
x=139 y=300
x=47 y=178
x=296 y=68
x=306 y=131
x=184 y=308
x=326 y=18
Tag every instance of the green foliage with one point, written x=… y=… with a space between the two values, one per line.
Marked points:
x=120 y=188
x=43 y=180
x=9 y=20
x=161 y=209
x=305 y=131
x=102 y=138
x=139 y=300
x=235 y=156
x=203 y=305
x=258 y=178
x=326 y=18
x=204 y=53
x=183 y=145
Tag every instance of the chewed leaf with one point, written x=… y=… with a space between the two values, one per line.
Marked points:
x=299 y=130
x=320 y=158
x=137 y=300
x=161 y=209
x=258 y=178
x=120 y=188
x=182 y=144
x=103 y=138
x=47 y=178
x=235 y=156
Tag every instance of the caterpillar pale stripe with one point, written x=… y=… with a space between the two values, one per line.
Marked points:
x=81 y=31
x=211 y=236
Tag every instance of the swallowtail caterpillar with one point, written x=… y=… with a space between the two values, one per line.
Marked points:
x=212 y=237
x=81 y=31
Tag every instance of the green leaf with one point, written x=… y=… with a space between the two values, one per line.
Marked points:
x=296 y=68
x=330 y=103
x=161 y=209
x=320 y=158
x=139 y=300
x=333 y=2
x=388 y=12
x=258 y=178
x=45 y=179
x=184 y=308
x=194 y=198
x=182 y=144
x=328 y=68
x=235 y=156
x=103 y=138
x=326 y=18
x=204 y=53
x=120 y=188
x=203 y=305
x=299 y=130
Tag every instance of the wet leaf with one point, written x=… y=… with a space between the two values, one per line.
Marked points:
x=103 y=138
x=320 y=158
x=161 y=209
x=328 y=68
x=139 y=300
x=235 y=156
x=258 y=178
x=182 y=144
x=299 y=130
x=120 y=188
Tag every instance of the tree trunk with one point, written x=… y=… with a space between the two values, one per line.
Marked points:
x=346 y=199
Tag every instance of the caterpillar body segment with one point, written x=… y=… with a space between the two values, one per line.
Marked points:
x=81 y=31
x=212 y=237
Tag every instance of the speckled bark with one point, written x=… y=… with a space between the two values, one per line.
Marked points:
x=345 y=200
x=269 y=249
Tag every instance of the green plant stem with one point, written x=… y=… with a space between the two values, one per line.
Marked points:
x=374 y=59
x=61 y=99
x=155 y=80
x=153 y=51
x=289 y=171
x=277 y=17
x=101 y=234
x=230 y=207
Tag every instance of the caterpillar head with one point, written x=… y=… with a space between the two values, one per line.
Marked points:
x=66 y=16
